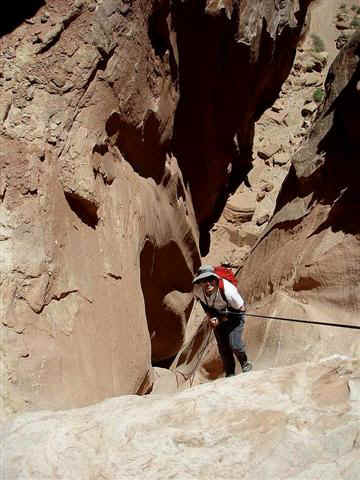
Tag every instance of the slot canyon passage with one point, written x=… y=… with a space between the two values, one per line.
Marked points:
x=139 y=139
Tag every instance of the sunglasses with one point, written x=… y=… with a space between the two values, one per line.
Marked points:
x=208 y=280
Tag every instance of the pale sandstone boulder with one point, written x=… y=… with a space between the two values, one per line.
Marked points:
x=281 y=159
x=240 y=207
x=295 y=423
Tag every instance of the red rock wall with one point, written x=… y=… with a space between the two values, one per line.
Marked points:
x=124 y=126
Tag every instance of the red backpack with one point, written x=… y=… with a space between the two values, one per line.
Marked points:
x=227 y=273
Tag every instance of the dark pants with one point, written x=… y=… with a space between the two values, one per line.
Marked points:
x=228 y=335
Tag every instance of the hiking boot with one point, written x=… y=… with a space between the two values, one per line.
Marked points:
x=246 y=367
x=229 y=374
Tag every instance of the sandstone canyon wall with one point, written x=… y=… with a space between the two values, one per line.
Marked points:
x=284 y=130
x=124 y=127
x=306 y=263
x=92 y=204
x=101 y=230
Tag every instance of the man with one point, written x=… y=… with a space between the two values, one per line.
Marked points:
x=225 y=313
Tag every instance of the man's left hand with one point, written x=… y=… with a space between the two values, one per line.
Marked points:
x=214 y=322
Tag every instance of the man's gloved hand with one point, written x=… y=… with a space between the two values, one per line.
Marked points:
x=213 y=321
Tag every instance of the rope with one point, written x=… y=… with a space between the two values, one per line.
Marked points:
x=192 y=374
x=284 y=319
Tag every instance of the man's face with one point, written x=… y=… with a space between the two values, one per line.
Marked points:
x=209 y=285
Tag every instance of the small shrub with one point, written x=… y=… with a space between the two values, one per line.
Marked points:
x=341 y=41
x=319 y=95
x=356 y=22
x=318 y=43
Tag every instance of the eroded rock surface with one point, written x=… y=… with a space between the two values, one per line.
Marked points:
x=300 y=422
x=124 y=127
x=93 y=204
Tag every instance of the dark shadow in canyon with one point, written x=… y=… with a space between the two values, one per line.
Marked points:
x=163 y=270
x=85 y=210
x=16 y=13
x=221 y=97
x=140 y=145
x=159 y=34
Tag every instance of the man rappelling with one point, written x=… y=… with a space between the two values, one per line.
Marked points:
x=225 y=309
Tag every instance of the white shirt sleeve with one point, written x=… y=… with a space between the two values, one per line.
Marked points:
x=232 y=295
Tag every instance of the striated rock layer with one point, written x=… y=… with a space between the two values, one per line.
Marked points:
x=92 y=206
x=124 y=127
x=294 y=423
